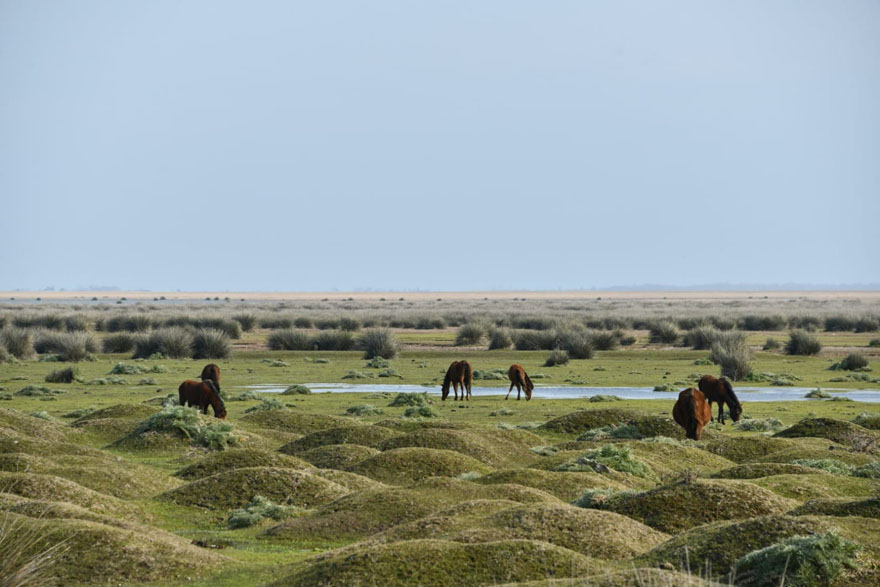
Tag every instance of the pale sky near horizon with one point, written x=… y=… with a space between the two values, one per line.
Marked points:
x=208 y=145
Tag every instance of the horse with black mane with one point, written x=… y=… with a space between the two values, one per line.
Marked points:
x=721 y=391
x=461 y=374
x=212 y=372
x=202 y=394
x=692 y=412
x=520 y=378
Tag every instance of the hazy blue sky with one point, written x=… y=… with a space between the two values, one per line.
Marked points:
x=207 y=145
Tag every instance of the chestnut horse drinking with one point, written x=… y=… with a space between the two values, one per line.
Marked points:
x=692 y=412
x=458 y=374
x=720 y=390
x=201 y=393
x=520 y=378
x=212 y=372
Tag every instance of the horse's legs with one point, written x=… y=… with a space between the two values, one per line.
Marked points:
x=509 y=390
x=721 y=412
x=455 y=387
x=711 y=416
x=468 y=385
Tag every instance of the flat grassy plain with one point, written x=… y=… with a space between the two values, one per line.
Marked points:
x=484 y=492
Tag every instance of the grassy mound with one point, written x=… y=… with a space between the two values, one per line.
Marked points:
x=440 y=562
x=371 y=436
x=684 y=505
x=367 y=512
x=412 y=424
x=745 y=449
x=53 y=488
x=718 y=546
x=840 y=431
x=122 y=411
x=866 y=508
x=14 y=442
x=496 y=448
x=584 y=420
x=237 y=487
x=93 y=552
x=107 y=430
x=338 y=456
x=757 y=470
x=805 y=487
x=815 y=449
x=671 y=459
x=404 y=465
x=642 y=577
x=290 y=421
x=351 y=481
x=238 y=458
x=610 y=536
x=566 y=486
x=30 y=426
x=803 y=561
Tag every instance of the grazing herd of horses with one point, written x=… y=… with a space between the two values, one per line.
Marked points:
x=692 y=410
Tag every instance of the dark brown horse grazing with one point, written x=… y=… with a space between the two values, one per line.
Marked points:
x=720 y=390
x=458 y=374
x=201 y=393
x=520 y=378
x=211 y=372
x=692 y=412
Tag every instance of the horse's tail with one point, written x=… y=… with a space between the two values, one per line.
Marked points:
x=468 y=374
x=181 y=396
x=690 y=409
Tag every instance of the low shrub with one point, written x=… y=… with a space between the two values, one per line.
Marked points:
x=832 y=466
x=290 y=340
x=245 y=396
x=127 y=369
x=801 y=342
x=4 y=354
x=577 y=343
x=296 y=390
x=349 y=324
x=605 y=398
x=122 y=342
x=247 y=321
x=494 y=375
x=817 y=394
x=355 y=374
x=500 y=339
x=364 y=410
x=378 y=342
x=173 y=342
x=420 y=412
x=68 y=375
x=868 y=471
x=664 y=332
x=470 y=334
x=802 y=561
x=266 y=404
x=875 y=342
x=69 y=346
x=759 y=425
x=390 y=373
x=665 y=387
x=210 y=343
x=701 y=337
x=604 y=340
x=378 y=363
x=771 y=344
x=753 y=322
x=410 y=399
x=258 y=510
x=556 y=358
x=851 y=362
x=333 y=341
x=731 y=353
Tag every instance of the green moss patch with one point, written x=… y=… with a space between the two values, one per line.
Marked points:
x=566 y=486
x=412 y=424
x=866 y=508
x=645 y=576
x=125 y=411
x=816 y=449
x=23 y=424
x=351 y=481
x=496 y=448
x=745 y=449
x=404 y=465
x=238 y=458
x=441 y=562
x=802 y=561
x=338 y=456
x=669 y=460
x=371 y=436
x=237 y=487
x=719 y=545
x=680 y=506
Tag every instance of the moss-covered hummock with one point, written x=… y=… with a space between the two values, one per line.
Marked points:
x=403 y=465
x=53 y=488
x=363 y=435
x=680 y=506
x=757 y=470
x=866 y=508
x=805 y=487
x=648 y=576
x=94 y=552
x=238 y=458
x=291 y=421
x=566 y=486
x=591 y=532
x=719 y=545
x=743 y=449
x=338 y=456
x=237 y=487
x=440 y=562
x=126 y=411
x=496 y=448
x=364 y=513
x=840 y=431
x=583 y=420
x=31 y=427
